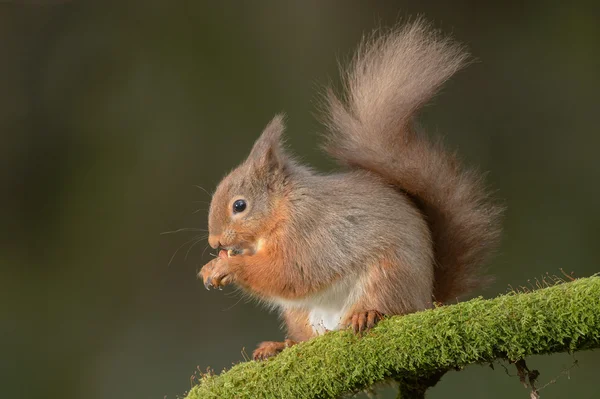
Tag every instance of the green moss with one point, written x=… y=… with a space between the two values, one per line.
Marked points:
x=565 y=317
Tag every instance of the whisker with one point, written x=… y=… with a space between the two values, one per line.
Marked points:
x=192 y=246
x=205 y=248
x=203 y=189
x=181 y=246
x=184 y=229
x=198 y=210
x=229 y=308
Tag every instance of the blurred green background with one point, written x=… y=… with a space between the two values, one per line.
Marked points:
x=111 y=112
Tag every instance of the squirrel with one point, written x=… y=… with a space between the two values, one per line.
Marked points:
x=403 y=227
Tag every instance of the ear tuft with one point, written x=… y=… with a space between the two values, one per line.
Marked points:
x=267 y=152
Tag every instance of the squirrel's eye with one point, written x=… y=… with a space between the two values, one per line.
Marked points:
x=239 y=206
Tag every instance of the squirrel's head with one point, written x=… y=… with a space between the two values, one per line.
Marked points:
x=249 y=202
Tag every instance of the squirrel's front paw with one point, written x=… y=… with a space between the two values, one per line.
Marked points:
x=216 y=274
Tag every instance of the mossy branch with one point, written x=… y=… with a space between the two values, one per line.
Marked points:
x=563 y=317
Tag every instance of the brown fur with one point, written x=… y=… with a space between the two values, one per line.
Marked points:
x=402 y=226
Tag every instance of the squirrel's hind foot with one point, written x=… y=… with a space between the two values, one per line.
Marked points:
x=361 y=322
x=269 y=349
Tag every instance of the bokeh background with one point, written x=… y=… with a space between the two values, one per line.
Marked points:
x=111 y=113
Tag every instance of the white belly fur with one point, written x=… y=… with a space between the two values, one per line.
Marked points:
x=327 y=308
x=323 y=320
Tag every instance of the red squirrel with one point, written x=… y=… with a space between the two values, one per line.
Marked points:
x=402 y=227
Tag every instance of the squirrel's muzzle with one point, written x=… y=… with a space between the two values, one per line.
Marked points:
x=213 y=241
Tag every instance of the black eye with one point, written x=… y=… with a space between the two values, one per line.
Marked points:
x=239 y=206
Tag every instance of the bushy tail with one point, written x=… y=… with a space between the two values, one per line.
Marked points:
x=390 y=78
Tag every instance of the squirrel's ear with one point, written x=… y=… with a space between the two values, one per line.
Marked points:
x=267 y=153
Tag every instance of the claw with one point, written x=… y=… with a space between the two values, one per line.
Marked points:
x=363 y=321
x=225 y=280
x=216 y=274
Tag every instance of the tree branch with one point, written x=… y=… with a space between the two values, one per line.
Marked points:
x=415 y=347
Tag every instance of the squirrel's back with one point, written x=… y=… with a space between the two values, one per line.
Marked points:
x=391 y=77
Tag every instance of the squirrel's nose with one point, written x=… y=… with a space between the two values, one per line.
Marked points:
x=213 y=241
